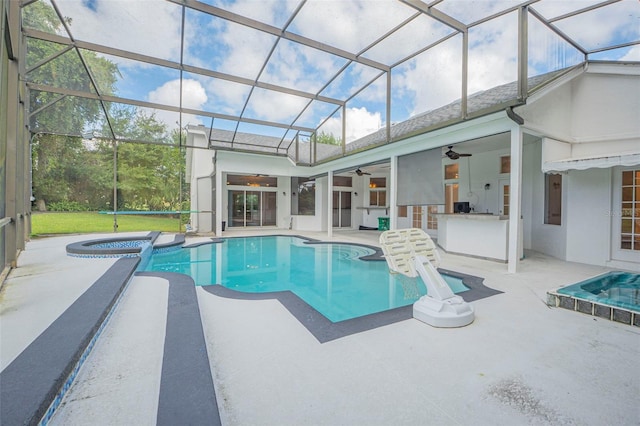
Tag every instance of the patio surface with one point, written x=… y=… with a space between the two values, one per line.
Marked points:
x=519 y=362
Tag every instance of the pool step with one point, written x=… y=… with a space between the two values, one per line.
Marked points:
x=588 y=307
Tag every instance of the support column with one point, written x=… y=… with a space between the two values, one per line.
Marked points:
x=218 y=203
x=330 y=204
x=393 y=192
x=515 y=200
x=14 y=144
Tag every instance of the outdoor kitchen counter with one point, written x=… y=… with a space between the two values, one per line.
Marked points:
x=474 y=234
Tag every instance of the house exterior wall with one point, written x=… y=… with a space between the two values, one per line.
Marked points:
x=605 y=107
x=548 y=239
x=588 y=202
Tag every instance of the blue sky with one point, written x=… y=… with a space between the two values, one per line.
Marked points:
x=422 y=83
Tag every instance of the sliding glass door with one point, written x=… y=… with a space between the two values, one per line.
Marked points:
x=252 y=208
x=341 y=209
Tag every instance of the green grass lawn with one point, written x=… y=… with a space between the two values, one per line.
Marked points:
x=87 y=222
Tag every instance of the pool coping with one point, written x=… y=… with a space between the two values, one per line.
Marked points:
x=87 y=249
x=35 y=382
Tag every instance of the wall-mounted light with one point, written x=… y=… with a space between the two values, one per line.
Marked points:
x=355 y=193
x=487 y=186
x=293 y=194
x=284 y=193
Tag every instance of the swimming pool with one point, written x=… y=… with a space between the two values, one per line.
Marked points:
x=330 y=277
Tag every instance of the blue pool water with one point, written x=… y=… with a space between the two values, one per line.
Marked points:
x=621 y=289
x=329 y=277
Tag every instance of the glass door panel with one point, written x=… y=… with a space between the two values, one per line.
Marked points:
x=345 y=209
x=336 y=209
x=236 y=208
x=625 y=215
x=341 y=216
x=252 y=208
x=416 y=221
x=503 y=206
x=269 y=208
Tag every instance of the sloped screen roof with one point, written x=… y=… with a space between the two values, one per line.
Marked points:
x=300 y=72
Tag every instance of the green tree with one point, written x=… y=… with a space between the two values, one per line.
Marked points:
x=149 y=174
x=327 y=139
x=66 y=170
x=62 y=164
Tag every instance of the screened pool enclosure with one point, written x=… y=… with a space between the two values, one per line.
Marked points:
x=97 y=93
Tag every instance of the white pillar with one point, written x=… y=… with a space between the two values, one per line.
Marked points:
x=330 y=204
x=218 y=203
x=393 y=192
x=515 y=200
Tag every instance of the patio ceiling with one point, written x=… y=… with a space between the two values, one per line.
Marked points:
x=291 y=69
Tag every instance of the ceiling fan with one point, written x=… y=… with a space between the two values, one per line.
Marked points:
x=455 y=155
x=360 y=172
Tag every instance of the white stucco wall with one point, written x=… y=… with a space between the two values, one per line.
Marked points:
x=547 y=239
x=587 y=220
x=605 y=107
x=474 y=173
x=551 y=113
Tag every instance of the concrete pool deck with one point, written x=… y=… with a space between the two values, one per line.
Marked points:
x=520 y=362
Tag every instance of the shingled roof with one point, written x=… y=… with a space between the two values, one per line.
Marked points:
x=479 y=103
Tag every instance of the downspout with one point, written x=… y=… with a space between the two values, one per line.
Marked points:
x=514 y=116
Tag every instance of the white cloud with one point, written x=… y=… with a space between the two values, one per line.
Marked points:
x=275 y=106
x=150 y=27
x=333 y=22
x=194 y=96
x=632 y=55
x=360 y=122
x=432 y=80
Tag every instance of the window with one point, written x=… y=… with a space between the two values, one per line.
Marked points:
x=303 y=196
x=432 y=221
x=506 y=196
x=630 y=211
x=417 y=217
x=377 y=191
x=342 y=181
x=552 y=199
x=252 y=180
x=402 y=211
x=505 y=164
x=451 y=171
